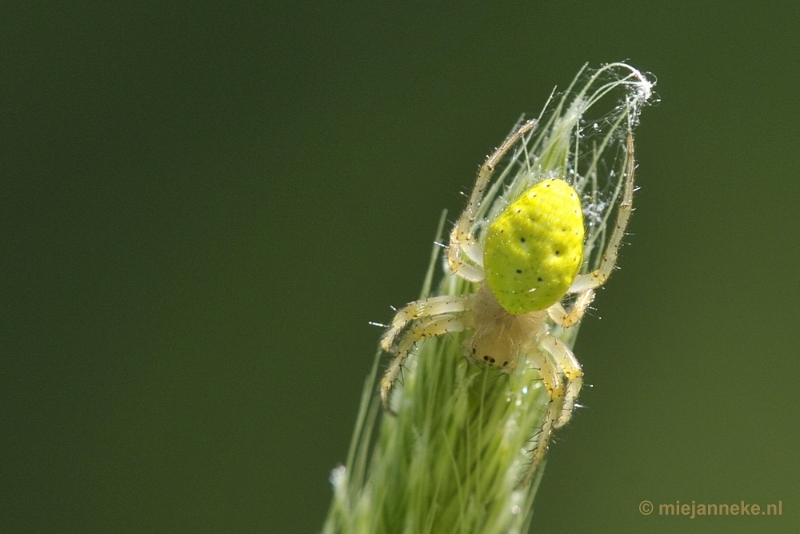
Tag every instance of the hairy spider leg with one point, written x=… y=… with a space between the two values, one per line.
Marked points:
x=555 y=390
x=565 y=318
x=598 y=277
x=419 y=309
x=461 y=239
x=424 y=328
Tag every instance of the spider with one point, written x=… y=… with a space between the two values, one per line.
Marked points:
x=528 y=264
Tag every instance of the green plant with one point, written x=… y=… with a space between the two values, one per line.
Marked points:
x=453 y=457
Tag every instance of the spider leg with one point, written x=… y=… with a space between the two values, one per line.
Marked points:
x=419 y=309
x=598 y=277
x=426 y=327
x=555 y=390
x=461 y=239
x=565 y=318
x=571 y=369
x=563 y=393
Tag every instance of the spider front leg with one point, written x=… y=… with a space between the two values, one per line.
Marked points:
x=555 y=391
x=562 y=399
x=419 y=309
x=435 y=325
x=571 y=370
x=461 y=239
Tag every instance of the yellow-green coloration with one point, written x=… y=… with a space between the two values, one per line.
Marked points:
x=465 y=451
x=534 y=248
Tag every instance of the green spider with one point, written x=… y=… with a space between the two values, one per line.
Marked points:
x=528 y=264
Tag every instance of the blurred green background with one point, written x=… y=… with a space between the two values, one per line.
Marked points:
x=202 y=206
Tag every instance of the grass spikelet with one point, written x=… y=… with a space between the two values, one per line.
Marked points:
x=451 y=459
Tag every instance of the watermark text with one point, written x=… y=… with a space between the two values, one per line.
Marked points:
x=700 y=509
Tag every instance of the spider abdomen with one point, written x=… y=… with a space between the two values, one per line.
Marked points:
x=534 y=248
